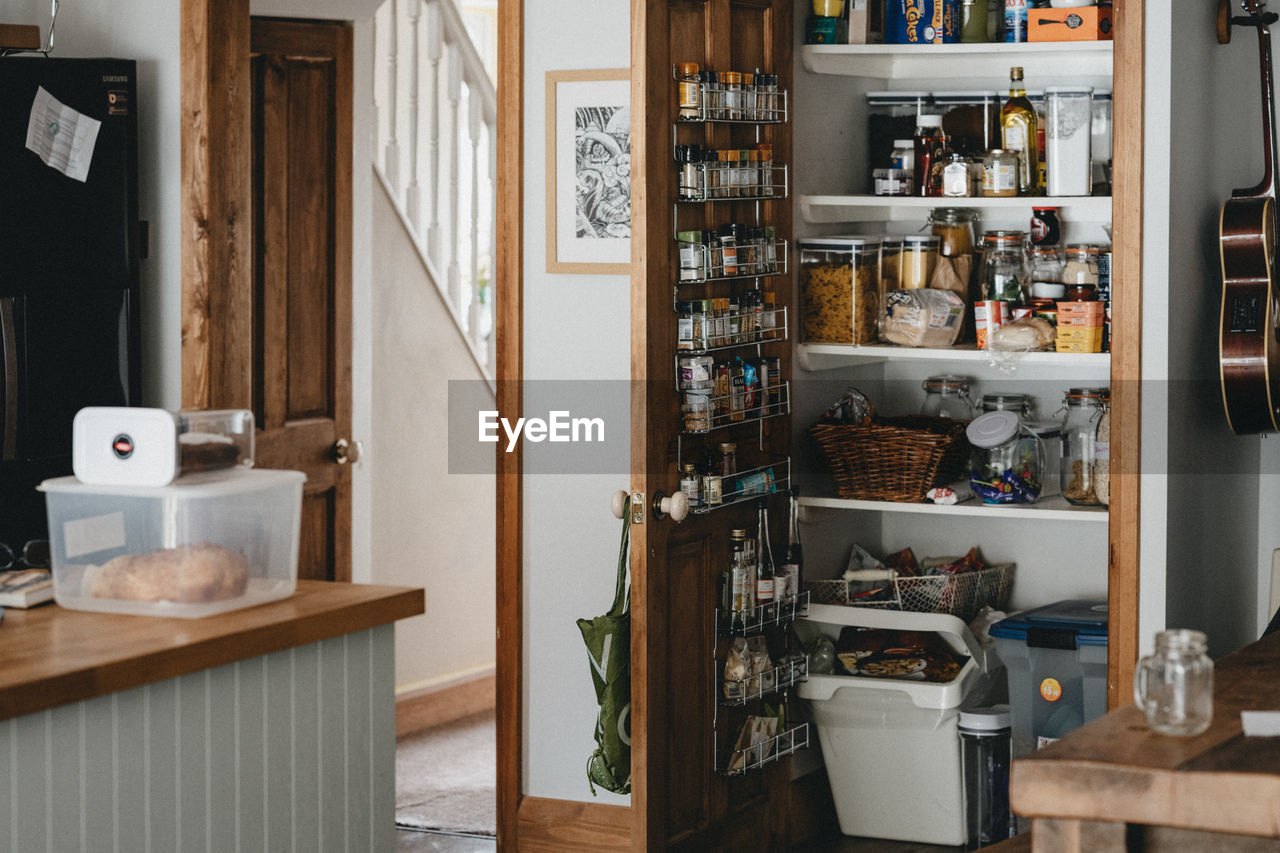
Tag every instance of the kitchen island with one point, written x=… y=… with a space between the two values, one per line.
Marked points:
x=1115 y=785
x=271 y=727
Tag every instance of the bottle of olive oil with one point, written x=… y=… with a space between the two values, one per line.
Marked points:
x=1018 y=132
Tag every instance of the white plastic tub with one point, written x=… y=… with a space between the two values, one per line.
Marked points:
x=214 y=543
x=892 y=746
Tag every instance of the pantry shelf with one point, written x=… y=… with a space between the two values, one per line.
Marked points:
x=828 y=209
x=1068 y=60
x=1055 y=508
x=1070 y=366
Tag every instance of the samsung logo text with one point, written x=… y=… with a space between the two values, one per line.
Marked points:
x=558 y=426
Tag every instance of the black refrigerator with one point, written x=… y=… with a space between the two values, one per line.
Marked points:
x=69 y=254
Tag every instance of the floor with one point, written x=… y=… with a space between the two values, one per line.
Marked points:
x=413 y=841
x=410 y=841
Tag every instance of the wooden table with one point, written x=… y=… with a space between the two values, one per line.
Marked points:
x=267 y=728
x=1114 y=784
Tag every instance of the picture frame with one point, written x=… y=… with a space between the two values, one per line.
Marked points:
x=588 y=171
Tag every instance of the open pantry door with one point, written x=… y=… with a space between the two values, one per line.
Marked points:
x=684 y=796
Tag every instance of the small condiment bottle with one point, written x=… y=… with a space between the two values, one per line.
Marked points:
x=955 y=177
x=690 y=91
x=727 y=465
x=690 y=485
x=1081 y=293
x=930 y=145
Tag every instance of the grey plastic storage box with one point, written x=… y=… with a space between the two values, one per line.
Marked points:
x=1057 y=661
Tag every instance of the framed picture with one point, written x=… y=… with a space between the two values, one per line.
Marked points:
x=589 y=171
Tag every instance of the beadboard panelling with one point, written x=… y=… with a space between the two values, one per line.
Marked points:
x=292 y=750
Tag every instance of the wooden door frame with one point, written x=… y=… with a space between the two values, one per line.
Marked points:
x=509 y=330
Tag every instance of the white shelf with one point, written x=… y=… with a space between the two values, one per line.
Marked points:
x=1055 y=508
x=884 y=208
x=1071 y=365
x=1043 y=60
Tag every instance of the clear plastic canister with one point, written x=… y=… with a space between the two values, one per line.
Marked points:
x=971 y=120
x=891 y=116
x=1067 y=119
x=987 y=751
x=919 y=257
x=840 y=289
x=1100 y=141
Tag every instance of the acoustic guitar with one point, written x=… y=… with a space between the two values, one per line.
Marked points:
x=1248 y=357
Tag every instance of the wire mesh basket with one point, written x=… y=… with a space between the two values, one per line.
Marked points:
x=962 y=594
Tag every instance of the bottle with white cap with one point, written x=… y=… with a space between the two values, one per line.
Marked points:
x=987 y=751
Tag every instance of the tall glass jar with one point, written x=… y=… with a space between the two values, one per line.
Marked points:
x=1080 y=447
x=919 y=257
x=1174 y=685
x=954 y=228
x=947 y=396
x=1006 y=267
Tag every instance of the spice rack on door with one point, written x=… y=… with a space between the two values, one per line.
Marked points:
x=730 y=759
x=720 y=268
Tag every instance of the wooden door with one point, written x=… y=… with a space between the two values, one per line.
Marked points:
x=680 y=800
x=301 y=343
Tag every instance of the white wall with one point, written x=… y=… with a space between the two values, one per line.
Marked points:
x=1215 y=145
x=431 y=528
x=575 y=327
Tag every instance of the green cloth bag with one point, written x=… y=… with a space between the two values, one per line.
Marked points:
x=608 y=640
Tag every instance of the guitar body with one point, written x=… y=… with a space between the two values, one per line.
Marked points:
x=1248 y=355
x=1247 y=345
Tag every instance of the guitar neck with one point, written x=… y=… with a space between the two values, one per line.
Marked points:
x=1267 y=187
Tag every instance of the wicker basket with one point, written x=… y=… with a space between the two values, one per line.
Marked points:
x=894 y=459
x=960 y=595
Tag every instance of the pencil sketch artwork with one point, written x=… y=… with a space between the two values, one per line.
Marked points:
x=602 y=144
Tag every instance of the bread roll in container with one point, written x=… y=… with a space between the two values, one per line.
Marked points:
x=170 y=527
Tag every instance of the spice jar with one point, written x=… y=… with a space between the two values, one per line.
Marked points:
x=1008 y=459
x=733 y=96
x=693 y=256
x=1000 y=173
x=1080 y=447
x=1046 y=228
x=712 y=95
x=954 y=228
x=1006 y=267
x=947 y=396
x=690 y=91
x=691 y=484
x=919 y=257
x=727 y=463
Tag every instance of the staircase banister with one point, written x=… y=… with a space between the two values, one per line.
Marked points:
x=473 y=70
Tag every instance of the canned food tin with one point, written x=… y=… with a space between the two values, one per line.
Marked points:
x=757 y=483
x=989 y=315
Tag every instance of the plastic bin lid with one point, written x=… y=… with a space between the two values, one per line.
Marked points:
x=841 y=242
x=1086 y=619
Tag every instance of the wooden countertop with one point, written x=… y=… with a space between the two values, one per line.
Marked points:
x=1116 y=769
x=50 y=655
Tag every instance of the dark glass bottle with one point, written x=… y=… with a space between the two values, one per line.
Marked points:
x=791 y=561
x=764 y=559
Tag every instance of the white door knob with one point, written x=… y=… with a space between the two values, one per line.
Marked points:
x=676 y=506
x=618 y=503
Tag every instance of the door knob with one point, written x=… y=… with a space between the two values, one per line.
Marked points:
x=676 y=506
x=344 y=451
x=618 y=503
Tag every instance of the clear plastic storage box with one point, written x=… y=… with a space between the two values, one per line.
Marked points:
x=1057 y=661
x=215 y=542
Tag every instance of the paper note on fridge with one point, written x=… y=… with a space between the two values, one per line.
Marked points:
x=60 y=136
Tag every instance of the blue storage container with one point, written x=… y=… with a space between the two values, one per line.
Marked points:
x=1056 y=657
x=922 y=21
